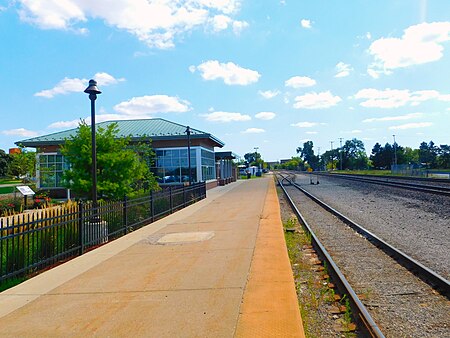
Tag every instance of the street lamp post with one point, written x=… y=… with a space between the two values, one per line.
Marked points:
x=93 y=91
x=188 y=132
x=340 y=140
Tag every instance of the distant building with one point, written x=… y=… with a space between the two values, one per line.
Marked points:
x=285 y=161
x=169 y=141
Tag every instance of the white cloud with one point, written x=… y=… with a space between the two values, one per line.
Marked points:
x=394 y=98
x=299 y=82
x=192 y=68
x=265 y=115
x=239 y=26
x=220 y=22
x=105 y=79
x=253 y=131
x=220 y=116
x=356 y=131
x=411 y=126
x=394 y=118
x=343 y=69
x=419 y=44
x=368 y=36
x=151 y=104
x=64 y=86
x=305 y=23
x=157 y=23
x=389 y=98
x=64 y=124
x=269 y=94
x=316 y=100
x=311 y=132
x=76 y=85
x=231 y=73
x=20 y=132
x=304 y=124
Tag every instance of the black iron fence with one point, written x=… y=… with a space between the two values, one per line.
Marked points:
x=43 y=238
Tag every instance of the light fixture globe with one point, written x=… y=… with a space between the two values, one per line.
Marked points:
x=92 y=88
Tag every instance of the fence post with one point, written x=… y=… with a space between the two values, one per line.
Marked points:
x=125 y=216
x=81 y=227
x=184 y=196
x=170 y=198
x=152 y=205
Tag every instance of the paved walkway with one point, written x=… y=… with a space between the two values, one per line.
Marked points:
x=218 y=268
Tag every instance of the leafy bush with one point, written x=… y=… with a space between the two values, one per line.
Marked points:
x=10 y=205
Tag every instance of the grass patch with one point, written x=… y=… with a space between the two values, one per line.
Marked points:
x=364 y=172
x=244 y=177
x=312 y=294
x=6 y=190
x=9 y=181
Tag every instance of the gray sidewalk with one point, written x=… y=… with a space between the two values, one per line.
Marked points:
x=182 y=276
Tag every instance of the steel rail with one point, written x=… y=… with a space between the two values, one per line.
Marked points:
x=445 y=191
x=339 y=278
x=404 y=178
x=436 y=281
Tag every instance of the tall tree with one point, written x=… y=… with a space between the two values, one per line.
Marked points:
x=253 y=158
x=428 y=154
x=376 y=156
x=354 y=155
x=444 y=156
x=5 y=160
x=307 y=154
x=120 y=165
x=23 y=164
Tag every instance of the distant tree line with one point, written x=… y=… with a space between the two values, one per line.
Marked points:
x=428 y=155
x=352 y=156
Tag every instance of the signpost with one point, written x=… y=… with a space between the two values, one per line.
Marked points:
x=25 y=191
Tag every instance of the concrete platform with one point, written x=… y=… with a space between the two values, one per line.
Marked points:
x=218 y=268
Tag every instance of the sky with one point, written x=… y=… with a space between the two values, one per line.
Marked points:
x=267 y=74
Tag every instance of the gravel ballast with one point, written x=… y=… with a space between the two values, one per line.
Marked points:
x=416 y=223
x=401 y=304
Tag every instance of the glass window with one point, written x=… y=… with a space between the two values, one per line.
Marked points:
x=50 y=170
x=171 y=166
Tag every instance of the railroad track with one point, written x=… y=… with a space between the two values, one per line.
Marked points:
x=334 y=230
x=394 y=182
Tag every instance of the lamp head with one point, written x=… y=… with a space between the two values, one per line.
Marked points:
x=92 y=88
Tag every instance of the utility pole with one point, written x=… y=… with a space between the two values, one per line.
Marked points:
x=340 y=140
x=332 y=157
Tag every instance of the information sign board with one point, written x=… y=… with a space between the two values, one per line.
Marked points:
x=25 y=190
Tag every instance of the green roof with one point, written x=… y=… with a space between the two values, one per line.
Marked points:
x=156 y=129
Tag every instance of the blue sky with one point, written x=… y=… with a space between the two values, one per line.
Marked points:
x=269 y=74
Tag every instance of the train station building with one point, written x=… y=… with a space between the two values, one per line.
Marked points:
x=169 y=141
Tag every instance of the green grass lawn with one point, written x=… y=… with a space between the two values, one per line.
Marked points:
x=6 y=190
x=364 y=172
x=9 y=181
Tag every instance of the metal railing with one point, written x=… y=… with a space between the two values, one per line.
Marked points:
x=44 y=238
